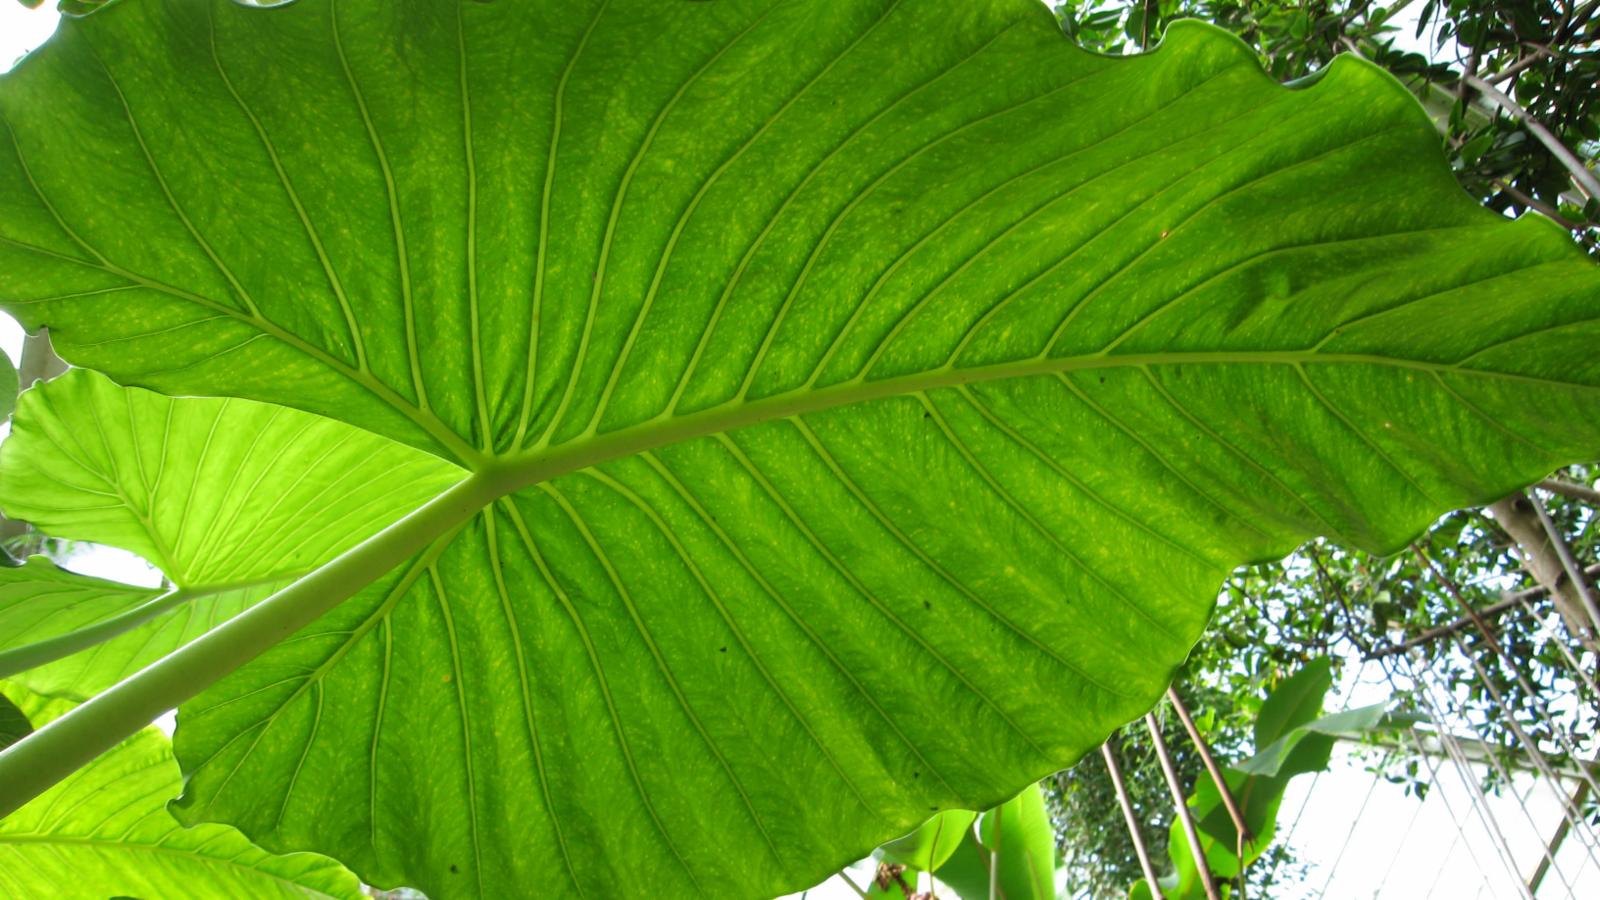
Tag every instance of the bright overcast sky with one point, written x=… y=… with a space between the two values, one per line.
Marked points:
x=1368 y=836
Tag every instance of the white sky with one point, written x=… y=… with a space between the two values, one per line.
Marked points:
x=22 y=29
x=1361 y=837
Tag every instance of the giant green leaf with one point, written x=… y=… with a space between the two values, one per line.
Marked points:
x=229 y=498
x=887 y=385
x=105 y=832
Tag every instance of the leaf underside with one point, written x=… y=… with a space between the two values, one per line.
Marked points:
x=231 y=499
x=893 y=384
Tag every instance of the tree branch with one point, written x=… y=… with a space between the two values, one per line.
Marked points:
x=1517 y=517
x=1574 y=808
x=1511 y=71
x=1569 y=564
x=1569 y=489
x=1139 y=850
x=1506 y=602
x=1539 y=206
x=1185 y=816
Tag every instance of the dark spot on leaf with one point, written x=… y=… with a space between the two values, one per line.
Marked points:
x=454 y=870
x=1102 y=379
x=927 y=605
x=916 y=774
x=722 y=649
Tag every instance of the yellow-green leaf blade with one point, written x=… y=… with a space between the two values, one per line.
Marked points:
x=104 y=832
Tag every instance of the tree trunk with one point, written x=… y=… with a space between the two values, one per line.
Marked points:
x=1517 y=517
x=39 y=360
x=39 y=363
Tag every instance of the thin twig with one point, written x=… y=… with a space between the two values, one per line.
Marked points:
x=1511 y=71
x=1204 y=749
x=1184 y=816
x=1241 y=831
x=1133 y=822
x=1507 y=601
x=1568 y=489
x=1539 y=206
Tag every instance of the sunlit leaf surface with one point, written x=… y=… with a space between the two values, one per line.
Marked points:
x=893 y=384
x=230 y=499
x=105 y=832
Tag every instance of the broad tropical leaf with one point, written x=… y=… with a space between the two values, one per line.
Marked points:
x=104 y=832
x=851 y=359
x=229 y=498
x=1018 y=838
x=1292 y=736
x=1294 y=702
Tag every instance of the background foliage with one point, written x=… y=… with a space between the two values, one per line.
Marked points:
x=1327 y=599
x=1544 y=54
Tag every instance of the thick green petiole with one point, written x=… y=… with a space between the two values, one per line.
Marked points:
x=32 y=765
